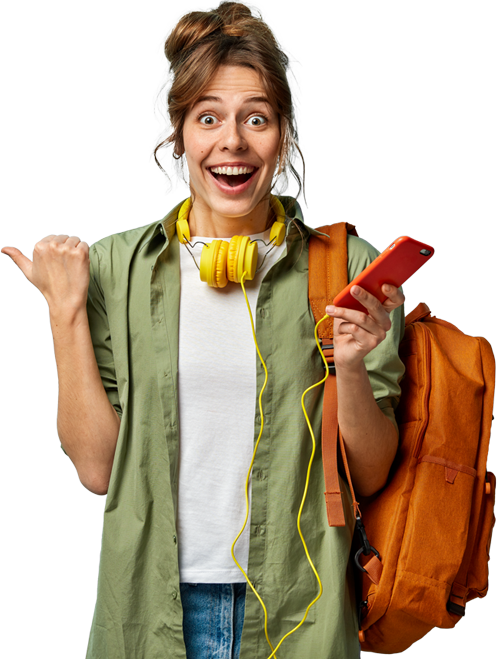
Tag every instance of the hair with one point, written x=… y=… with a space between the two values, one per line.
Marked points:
x=200 y=43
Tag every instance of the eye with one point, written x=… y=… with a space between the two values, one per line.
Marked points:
x=257 y=120
x=208 y=119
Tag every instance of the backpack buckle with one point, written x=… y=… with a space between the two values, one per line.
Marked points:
x=360 y=528
x=327 y=350
x=366 y=549
x=455 y=608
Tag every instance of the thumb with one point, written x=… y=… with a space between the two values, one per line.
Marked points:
x=22 y=262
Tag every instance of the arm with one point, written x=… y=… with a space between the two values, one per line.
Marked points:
x=87 y=423
x=370 y=437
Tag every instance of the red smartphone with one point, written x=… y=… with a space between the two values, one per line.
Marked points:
x=393 y=266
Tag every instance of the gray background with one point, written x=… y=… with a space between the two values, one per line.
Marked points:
x=437 y=187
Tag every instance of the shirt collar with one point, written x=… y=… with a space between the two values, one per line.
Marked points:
x=294 y=214
x=165 y=227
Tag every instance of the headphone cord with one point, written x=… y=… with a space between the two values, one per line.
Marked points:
x=274 y=650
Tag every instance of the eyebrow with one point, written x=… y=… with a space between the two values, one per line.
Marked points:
x=217 y=99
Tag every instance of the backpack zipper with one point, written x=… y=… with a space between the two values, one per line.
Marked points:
x=424 y=421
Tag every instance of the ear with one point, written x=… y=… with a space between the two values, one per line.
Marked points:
x=178 y=145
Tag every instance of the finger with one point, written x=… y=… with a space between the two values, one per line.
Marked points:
x=72 y=241
x=395 y=297
x=84 y=247
x=361 y=320
x=22 y=262
x=373 y=306
x=366 y=340
x=62 y=238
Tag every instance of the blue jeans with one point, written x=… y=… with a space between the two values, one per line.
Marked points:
x=213 y=619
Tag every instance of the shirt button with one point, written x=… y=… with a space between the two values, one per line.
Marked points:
x=174 y=594
x=264 y=313
x=175 y=539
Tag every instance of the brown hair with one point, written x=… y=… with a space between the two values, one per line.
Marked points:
x=201 y=42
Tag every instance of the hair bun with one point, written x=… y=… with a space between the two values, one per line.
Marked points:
x=236 y=17
x=234 y=31
x=233 y=12
x=231 y=18
x=192 y=28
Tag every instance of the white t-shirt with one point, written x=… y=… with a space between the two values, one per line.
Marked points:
x=217 y=410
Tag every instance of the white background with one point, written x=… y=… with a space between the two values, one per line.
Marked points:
x=398 y=108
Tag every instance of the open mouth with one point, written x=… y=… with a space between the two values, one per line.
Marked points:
x=232 y=176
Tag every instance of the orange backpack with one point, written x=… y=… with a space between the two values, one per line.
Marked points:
x=424 y=539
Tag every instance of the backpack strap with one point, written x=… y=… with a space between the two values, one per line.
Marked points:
x=419 y=313
x=327 y=270
x=328 y=275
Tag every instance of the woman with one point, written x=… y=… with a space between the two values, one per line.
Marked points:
x=158 y=385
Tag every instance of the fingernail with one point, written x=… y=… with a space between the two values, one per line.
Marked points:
x=330 y=309
x=355 y=290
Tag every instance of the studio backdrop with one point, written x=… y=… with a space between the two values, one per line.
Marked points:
x=437 y=187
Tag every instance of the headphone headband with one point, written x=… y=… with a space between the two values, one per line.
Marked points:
x=222 y=260
x=278 y=229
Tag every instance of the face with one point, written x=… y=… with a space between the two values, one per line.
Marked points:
x=231 y=140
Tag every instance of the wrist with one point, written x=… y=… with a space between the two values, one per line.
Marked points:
x=351 y=371
x=65 y=315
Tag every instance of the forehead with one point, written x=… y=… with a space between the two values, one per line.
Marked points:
x=234 y=82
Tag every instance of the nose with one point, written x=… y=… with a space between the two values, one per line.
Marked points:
x=231 y=137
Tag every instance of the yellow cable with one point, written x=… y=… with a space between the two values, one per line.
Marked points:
x=250 y=470
x=274 y=650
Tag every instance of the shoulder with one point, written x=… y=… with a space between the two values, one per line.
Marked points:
x=360 y=253
x=123 y=244
x=111 y=257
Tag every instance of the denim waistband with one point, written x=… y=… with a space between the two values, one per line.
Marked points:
x=213 y=616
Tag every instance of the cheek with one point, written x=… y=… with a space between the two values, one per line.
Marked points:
x=194 y=145
x=270 y=152
x=271 y=147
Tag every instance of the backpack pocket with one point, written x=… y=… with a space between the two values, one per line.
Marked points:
x=477 y=577
x=435 y=538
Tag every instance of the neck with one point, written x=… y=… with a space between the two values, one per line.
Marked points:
x=205 y=221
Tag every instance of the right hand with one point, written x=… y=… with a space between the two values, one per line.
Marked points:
x=60 y=270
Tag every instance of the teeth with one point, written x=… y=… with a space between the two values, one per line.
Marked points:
x=232 y=171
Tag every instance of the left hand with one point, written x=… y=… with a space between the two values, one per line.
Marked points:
x=355 y=333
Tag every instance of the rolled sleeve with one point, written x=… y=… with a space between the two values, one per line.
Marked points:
x=100 y=333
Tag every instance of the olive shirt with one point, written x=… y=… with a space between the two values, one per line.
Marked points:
x=133 y=309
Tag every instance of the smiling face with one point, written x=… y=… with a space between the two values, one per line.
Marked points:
x=231 y=139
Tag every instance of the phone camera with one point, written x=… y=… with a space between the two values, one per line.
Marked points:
x=425 y=252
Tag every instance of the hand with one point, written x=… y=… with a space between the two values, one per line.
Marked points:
x=355 y=333
x=60 y=270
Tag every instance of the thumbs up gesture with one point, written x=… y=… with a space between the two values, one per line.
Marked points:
x=60 y=270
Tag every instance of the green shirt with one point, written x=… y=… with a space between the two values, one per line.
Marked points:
x=133 y=309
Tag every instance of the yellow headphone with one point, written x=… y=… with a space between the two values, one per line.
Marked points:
x=223 y=261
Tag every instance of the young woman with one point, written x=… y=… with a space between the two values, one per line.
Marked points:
x=159 y=381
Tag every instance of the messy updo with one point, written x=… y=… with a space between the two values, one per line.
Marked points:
x=200 y=43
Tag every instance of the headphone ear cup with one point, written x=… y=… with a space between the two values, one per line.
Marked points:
x=182 y=225
x=213 y=263
x=232 y=258
x=221 y=264
x=242 y=257
x=182 y=228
